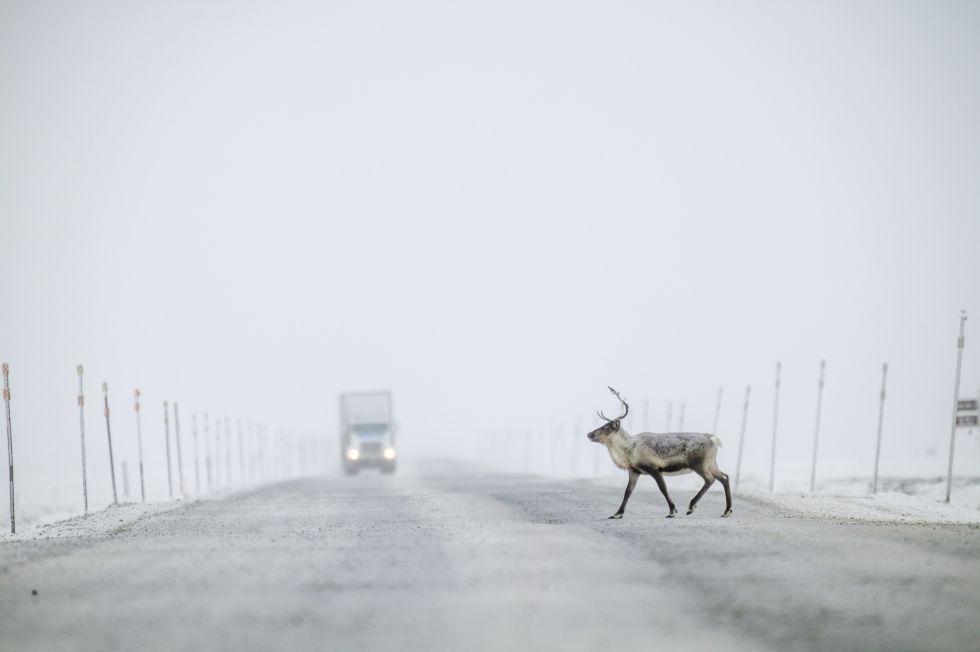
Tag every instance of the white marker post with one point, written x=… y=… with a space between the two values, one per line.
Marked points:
x=741 y=437
x=881 y=419
x=197 y=464
x=180 y=459
x=81 y=422
x=775 y=428
x=956 y=397
x=714 y=427
x=207 y=451
x=125 y=475
x=816 y=432
x=228 y=450
x=10 y=444
x=166 y=436
x=139 y=441
x=251 y=450
x=108 y=434
x=241 y=452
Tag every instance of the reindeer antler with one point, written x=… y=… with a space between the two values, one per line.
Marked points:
x=626 y=407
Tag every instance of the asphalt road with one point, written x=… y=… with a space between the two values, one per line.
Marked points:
x=442 y=558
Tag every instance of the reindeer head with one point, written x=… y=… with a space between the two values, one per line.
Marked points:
x=601 y=435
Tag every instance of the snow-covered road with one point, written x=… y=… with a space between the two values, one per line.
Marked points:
x=437 y=558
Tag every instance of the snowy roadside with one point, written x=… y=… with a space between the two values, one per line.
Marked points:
x=94 y=524
x=897 y=501
x=108 y=521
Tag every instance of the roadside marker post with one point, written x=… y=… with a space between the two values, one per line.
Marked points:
x=741 y=436
x=108 y=434
x=125 y=476
x=714 y=427
x=10 y=444
x=81 y=422
x=881 y=419
x=207 y=451
x=241 y=452
x=197 y=463
x=180 y=459
x=139 y=441
x=956 y=403
x=166 y=436
x=775 y=428
x=816 y=431
x=227 y=450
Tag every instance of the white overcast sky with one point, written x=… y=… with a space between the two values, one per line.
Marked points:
x=495 y=209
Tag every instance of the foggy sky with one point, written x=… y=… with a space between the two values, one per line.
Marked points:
x=495 y=210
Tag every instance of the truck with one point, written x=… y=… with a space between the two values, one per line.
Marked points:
x=367 y=432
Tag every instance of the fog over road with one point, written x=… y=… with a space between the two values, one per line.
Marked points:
x=439 y=557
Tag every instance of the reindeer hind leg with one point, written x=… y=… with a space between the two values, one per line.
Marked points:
x=723 y=477
x=708 y=481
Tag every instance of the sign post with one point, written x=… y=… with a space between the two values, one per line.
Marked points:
x=881 y=418
x=816 y=432
x=741 y=437
x=139 y=441
x=956 y=402
x=10 y=444
x=108 y=434
x=81 y=421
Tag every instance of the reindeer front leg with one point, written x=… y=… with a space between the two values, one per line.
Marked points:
x=659 y=477
x=629 y=490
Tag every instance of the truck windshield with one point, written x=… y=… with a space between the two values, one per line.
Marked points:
x=370 y=431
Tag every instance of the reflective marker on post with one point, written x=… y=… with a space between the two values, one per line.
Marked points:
x=108 y=434
x=139 y=442
x=10 y=444
x=81 y=421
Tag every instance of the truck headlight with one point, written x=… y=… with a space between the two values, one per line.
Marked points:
x=389 y=453
x=353 y=454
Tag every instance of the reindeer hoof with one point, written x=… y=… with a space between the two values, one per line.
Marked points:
x=690 y=510
x=672 y=515
x=615 y=516
x=727 y=513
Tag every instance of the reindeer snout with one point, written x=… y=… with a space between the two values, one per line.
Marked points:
x=591 y=436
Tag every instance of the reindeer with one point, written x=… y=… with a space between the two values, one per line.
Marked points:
x=662 y=454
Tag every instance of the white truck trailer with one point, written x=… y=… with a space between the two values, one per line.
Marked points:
x=367 y=432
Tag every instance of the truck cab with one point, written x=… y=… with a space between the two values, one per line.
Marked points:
x=367 y=432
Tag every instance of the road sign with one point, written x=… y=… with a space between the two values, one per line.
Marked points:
x=966 y=421
x=966 y=405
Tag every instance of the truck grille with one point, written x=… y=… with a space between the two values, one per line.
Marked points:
x=371 y=449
